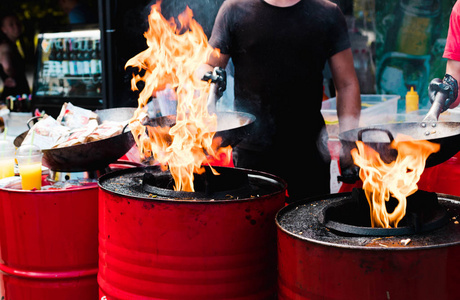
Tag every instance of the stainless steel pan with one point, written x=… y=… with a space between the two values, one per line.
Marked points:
x=232 y=127
x=379 y=137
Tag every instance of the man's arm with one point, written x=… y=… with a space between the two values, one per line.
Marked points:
x=216 y=59
x=453 y=69
x=348 y=106
x=347 y=89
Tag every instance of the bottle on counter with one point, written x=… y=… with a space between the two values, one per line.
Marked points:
x=52 y=60
x=19 y=103
x=65 y=58
x=412 y=100
x=79 y=54
x=94 y=60
x=72 y=58
x=87 y=57
x=58 y=58
x=98 y=58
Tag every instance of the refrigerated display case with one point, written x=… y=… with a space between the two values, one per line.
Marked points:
x=68 y=69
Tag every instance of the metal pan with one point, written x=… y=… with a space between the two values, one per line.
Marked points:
x=379 y=137
x=232 y=127
x=95 y=155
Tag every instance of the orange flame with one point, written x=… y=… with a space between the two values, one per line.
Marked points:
x=398 y=178
x=173 y=55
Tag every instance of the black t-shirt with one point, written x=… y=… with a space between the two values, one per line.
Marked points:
x=279 y=55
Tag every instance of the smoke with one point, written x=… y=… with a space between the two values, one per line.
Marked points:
x=322 y=145
x=132 y=21
x=204 y=11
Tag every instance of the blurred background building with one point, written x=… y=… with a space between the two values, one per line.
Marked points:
x=396 y=43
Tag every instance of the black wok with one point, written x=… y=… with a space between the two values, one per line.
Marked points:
x=379 y=137
x=95 y=155
x=232 y=127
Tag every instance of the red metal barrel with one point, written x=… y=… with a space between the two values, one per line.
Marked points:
x=151 y=248
x=48 y=244
x=315 y=263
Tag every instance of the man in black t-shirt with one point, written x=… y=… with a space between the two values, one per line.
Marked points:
x=279 y=49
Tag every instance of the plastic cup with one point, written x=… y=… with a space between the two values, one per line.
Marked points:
x=167 y=100
x=29 y=159
x=6 y=159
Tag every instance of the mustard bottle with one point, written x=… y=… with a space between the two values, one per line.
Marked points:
x=411 y=100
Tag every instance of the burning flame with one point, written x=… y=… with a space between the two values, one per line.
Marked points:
x=398 y=178
x=173 y=55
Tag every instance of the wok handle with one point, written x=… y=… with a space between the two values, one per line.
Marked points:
x=437 y=107
x=32 y=119
x=123 y=131
x=360 y=133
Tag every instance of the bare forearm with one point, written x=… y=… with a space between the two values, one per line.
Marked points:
x=202 y=70
x=453 y=69
x=215 y=59
x=347 y=90
x=349 y=107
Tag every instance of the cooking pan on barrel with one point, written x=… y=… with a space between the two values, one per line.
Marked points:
x=95 y=155
x=232 y=127
x=379 y=137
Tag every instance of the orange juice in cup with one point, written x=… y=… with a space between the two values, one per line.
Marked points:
x=6 y=159
x=30 y=167
x=31 y=175
x=6 y=167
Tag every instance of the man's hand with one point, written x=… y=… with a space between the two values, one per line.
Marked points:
x=349 y=172
x=219 y=77
x=447 y=88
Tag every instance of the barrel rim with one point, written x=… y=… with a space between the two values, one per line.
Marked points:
x=66 y=190
x=273 y=178
x=290 y=234
x=35 y=274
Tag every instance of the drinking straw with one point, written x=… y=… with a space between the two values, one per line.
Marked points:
x=31 y=144
x=32 y=139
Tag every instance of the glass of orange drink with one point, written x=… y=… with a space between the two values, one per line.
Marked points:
x=6 y=159
x=29 y=159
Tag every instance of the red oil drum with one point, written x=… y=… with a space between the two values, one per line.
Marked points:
x=155 y=247
x=316 y=262
x=48 y=244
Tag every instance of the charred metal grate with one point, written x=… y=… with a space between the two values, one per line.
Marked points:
x=227 y=183
x=351 y=216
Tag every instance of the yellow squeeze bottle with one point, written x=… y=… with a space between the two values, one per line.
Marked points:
x=411 y=100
